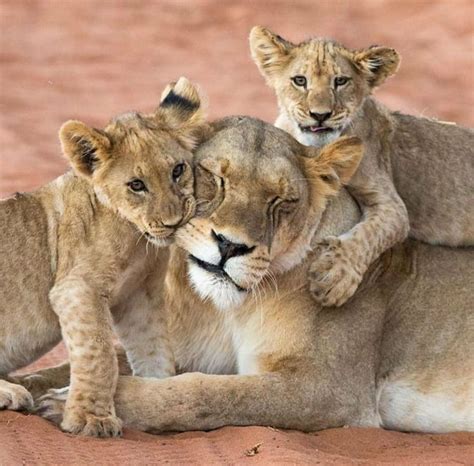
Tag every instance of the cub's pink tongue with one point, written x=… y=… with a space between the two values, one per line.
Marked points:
x=315 y=129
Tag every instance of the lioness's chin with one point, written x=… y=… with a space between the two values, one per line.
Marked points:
x=222 y=292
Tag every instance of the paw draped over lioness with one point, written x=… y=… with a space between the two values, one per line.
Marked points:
x=336 y=272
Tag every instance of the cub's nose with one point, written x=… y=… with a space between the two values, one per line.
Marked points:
x=229 y=249
x=320 y=117
x=172 y=221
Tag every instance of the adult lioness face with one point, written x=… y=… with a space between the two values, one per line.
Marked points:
x=319 y=83
x=263 y=194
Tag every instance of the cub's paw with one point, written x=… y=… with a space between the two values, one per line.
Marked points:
x=75 y=420
x=14 y=397
x=333 y=275
x=90 y=425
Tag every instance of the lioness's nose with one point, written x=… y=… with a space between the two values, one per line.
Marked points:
x=229 y=249
x=320 y=117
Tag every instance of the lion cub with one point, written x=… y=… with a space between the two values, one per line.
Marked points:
x=416 y=176
x=77 y=256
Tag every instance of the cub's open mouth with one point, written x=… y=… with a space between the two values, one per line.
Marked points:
x=316 y=129
x=216 y=270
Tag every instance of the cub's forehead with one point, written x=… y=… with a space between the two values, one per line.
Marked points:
x=323 y=55
x=145 y=144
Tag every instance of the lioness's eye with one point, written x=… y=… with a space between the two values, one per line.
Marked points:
x=299 y=80
x=137 y=185
x=178 y=170
x=340 y=81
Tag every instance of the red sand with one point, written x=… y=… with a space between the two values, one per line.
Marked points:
x=90 y=60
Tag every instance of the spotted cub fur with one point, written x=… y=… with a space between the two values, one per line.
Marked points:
x=78 y=256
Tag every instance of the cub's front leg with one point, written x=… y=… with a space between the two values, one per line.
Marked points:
x=142 y=327
x=86 y=325
x=341 y=261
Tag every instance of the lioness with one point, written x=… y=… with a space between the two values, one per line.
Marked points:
x=76 y=252
x=398 y=355
x=416 y=176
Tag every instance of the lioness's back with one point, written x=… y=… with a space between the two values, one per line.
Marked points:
x=25 y=270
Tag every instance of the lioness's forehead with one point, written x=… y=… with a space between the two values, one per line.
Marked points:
x=252 y=150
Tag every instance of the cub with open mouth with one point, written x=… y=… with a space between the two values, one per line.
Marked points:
x=416 y=174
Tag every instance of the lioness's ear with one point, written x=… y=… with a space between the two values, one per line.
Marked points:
x=85 y=147
x=377 y=63
x=269 y=51
x=181 y=109
x=335 y=163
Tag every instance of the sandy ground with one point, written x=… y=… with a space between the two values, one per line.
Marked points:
x=90 y=60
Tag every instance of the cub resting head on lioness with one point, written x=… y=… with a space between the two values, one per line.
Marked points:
x=77 y=256
x=416 y=176
x=395 y=356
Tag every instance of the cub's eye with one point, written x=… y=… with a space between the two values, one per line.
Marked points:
x=178 y=170
x=340 y=81
x=137 y=186
x=299 y=81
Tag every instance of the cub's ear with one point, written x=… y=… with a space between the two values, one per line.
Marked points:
x=269 y=51
x=85 y=147
x=181 y=110
x=334 y=164
x=377 y=63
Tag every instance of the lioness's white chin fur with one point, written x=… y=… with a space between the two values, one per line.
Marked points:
x=221 y=292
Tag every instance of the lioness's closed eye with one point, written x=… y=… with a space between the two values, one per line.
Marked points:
x=90 y=263
x=416 y=176
x=244 y=240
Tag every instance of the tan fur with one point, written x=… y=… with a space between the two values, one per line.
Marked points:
x=417 y=174
x=398 y=355
x=78 y=256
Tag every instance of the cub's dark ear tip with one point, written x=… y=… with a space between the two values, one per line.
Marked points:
x=175 y=100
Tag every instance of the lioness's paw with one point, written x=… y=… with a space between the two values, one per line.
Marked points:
x=76 y=421
x=14 y=397
x=36 y=384
x=51 y=405
x=333 y=277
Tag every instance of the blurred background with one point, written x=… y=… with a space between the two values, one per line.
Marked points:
x=89 y=60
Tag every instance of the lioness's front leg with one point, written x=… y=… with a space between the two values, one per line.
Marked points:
x=39 y=382
x=196 y=401
x=342 y=261
x=86 y=325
